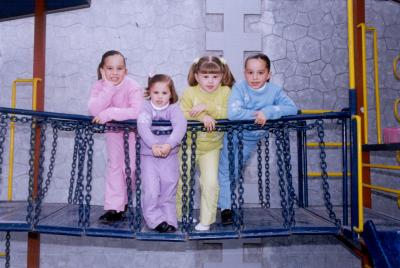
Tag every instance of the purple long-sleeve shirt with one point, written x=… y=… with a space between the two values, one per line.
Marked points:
x=172 y=113
x=121 y=102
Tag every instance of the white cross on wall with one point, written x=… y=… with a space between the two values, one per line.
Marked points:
x=233 y=41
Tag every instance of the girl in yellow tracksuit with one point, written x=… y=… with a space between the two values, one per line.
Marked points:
x=206 y=100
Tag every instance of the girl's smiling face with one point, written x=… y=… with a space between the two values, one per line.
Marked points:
x=114 y=69
x=256 y=73
x=208 y=82
x=160 y=94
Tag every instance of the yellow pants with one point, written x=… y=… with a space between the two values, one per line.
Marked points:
x=207 y=162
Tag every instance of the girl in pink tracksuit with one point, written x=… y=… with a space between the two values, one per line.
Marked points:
x=159 y=153
x=115 y=97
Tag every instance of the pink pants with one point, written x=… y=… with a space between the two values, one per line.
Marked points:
x=115 y=196
x=159 y=181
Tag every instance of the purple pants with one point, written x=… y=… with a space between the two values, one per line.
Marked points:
x=159 y=182
x=115 y=195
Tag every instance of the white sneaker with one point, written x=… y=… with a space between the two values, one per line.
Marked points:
x=202 y=227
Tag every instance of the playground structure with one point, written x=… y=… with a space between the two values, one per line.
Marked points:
x=295 y=216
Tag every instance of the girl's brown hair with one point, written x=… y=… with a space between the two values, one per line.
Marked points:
x=103 y=60
x=211 y=65
x=162 y=78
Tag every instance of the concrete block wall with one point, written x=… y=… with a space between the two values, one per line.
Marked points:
x=305 y=39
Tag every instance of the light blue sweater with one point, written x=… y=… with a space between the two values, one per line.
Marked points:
x=271 y=100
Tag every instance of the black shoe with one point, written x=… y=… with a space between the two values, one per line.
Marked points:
x=226 y=217
x=170 y=229
x=162 y=227
x=111 y=216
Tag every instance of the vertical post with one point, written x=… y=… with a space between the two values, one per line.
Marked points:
x=359 y=17
x=39 y=55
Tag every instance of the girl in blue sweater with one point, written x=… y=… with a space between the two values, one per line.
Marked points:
x=254 y=98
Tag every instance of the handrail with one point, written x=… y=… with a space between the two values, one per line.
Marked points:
x=365 y=28
x=364 y=70
x=86 y=118
x=384 y=189
x=360 y=227
x=34 y=82
x=381 y=166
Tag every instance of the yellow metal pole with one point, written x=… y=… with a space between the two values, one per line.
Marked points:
x=381 y=166
x=377 y=97
x=34 y=82
x=360 y=227
x=350 y=33
x=365 y=92
x=330 y=174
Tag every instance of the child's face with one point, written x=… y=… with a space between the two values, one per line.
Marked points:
x=114 y=69
x=208 y=82
x=160 y=94
x=256 y=73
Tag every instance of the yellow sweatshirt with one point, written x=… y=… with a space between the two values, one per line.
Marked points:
x=216 y=102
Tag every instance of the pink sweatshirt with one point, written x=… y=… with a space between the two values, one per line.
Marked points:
x=121 y=102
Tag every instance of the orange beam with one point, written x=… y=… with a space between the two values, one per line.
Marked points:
x=39 y=59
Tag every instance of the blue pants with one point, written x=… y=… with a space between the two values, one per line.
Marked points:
x=250 y=140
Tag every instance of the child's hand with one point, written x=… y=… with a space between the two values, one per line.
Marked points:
x=156 y=149
x=197 y=109
x=260 y=118
x=165 y=149
x=103 y=75
x=97 y=120
x=209 y=123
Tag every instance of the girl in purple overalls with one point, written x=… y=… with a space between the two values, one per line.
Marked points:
x=159 y=153
x=115 y=97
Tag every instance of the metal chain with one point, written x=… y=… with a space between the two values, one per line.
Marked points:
x=80 y=154
x=193 y=147
x=3 y=133
x=79 y=186
x=52 y=161
x=8 y=243
x=267 y=173
x=288 y=170
x=259 y=174
x=240 y=174
x=184 y=178
x=29 y=216
x=128 y=177
x=89 y=165
x=73 y=168
x=138 y=171
x=282 y=191
x=232 y=179
x=324 y=174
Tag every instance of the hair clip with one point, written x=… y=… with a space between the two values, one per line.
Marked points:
x=151 y=74
x=222 y=60
x=196 y=60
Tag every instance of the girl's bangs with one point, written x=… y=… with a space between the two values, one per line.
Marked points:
x=209 y=68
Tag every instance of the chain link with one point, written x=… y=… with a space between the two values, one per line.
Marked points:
x=282 y=192
x=29 y=216
x=288 y=171
x=52 y=160
x=193 y=147
x=240 y=174
x=8 y=244
x=259 y=174
x=324 y=174
x=232 y=179
x=267 y=173
x=138 y=211
x=184 y=178
x=128 y=176
x=79 y=187
x=89 y=165
x=73 y=169
x=3 y=133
